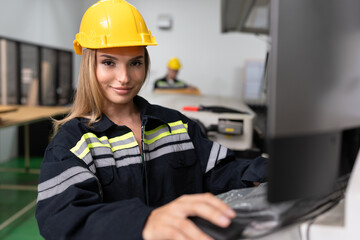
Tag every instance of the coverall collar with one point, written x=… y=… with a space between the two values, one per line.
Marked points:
x=145 y=114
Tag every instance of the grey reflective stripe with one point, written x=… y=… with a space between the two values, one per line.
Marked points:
x=157 y=133
x=125 y=152
x=134 y=158
x=217 y=153
x=168 y=139
x=92 y=168
x=104 y=162
x=213 y=156
x=100 y=151
x=63 y=181
x=88 y=141
x=83 y=147
x=169 y=149
x=88 y=159
x=164 y=129
x=123 y=142
x=222 y=153
x=128 y=161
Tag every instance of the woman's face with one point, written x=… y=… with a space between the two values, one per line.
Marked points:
x=120 y=72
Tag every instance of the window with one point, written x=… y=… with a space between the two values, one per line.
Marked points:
x=34 y=75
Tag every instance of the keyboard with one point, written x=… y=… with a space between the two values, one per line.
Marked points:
x=255 y=217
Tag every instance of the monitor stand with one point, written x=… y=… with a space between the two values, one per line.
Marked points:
x=341 y=222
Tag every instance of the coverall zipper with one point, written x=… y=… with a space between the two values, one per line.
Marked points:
x=144 y=165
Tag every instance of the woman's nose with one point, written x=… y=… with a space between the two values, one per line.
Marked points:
x=122 y=75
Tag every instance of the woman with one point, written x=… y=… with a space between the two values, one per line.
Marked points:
x=119 y=167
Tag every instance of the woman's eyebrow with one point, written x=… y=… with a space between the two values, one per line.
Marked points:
x=136 y=58
x=108 y=56
x=115 y=58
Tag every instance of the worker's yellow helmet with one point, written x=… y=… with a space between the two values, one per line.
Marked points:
x=112 y=23
x=174 y=63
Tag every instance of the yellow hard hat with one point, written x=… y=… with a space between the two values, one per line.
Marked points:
x=112 y=23
x=174 y=63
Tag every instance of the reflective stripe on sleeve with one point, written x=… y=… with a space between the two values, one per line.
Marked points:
x=87 y=141
x=217 y=153
x=63 y=181
x=104 y=162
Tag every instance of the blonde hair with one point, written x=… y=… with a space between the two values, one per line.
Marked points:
x=88 y=101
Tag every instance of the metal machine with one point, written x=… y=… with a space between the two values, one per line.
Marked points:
x=226 y=121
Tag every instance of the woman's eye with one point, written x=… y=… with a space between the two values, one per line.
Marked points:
x=137 y=63
x=108 y=62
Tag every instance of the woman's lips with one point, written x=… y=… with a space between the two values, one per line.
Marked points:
x=121 y=90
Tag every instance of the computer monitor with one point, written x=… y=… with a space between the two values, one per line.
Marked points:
x=313 y=95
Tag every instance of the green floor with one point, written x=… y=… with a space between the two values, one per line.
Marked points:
x=15 y=200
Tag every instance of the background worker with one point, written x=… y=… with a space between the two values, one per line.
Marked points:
x=170 y=81
x=120 y=167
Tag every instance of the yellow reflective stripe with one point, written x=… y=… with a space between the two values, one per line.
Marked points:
x=120 y=147
x=100 y=144
x=176 y=123
x=167 y=133
x=78 y=144
x=83 y=154
x=155 y=130
x=164 y=125
x=149 y=141
x=90 y=145
x=109 y=143
x=83 y=139
x=123 y=137
x=179 y=123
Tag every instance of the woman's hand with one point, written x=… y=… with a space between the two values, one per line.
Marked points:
x=171 y=220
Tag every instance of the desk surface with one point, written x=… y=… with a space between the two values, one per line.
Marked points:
x=178 y=101
x=190 y=91
x=28 y=114
x=5 y=109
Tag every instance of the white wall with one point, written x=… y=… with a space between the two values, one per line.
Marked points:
x=51 y=23
x=213 y=61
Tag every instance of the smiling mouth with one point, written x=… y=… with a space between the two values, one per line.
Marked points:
x=121 y=90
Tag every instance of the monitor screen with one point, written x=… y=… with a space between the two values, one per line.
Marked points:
x=313 y=91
